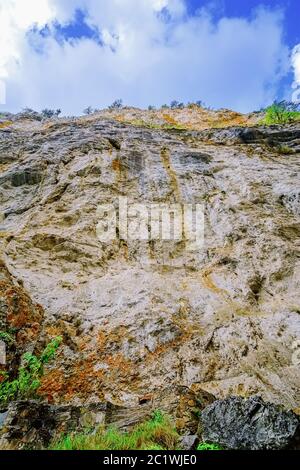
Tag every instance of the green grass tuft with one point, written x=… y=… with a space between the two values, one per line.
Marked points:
x=158 y=433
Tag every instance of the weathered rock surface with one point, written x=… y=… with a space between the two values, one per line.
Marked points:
x=140 y=317
x=35 y=424
x=236 y=423
x=28 y=425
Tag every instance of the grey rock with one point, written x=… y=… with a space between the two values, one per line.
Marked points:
x=29 y=424
x=189 y=442
x=145 y=316
x=237 y=423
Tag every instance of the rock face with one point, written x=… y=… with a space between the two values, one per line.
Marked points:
x=251 y=424
x=28 y=425
x=140 y=317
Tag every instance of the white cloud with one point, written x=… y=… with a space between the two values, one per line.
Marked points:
x=296 y=64
x=235 y=63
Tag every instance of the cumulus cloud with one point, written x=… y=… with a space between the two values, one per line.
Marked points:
x=296 y=66
x=148 y=52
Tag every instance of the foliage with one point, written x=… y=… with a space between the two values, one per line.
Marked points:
x=6 y=337
x=176 y=105
x=283 y=112
x=117 y=104
x=207 y=446
x=89 y=110
x=29 y=374
x=158 y=433
x=50 y=113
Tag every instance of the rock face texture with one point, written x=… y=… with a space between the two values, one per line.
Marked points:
x=251 y=424
x=139 y=317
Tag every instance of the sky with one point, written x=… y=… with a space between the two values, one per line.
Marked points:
x=70 y=54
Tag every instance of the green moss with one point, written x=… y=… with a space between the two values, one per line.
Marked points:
x=6 y=337
x=207 y=446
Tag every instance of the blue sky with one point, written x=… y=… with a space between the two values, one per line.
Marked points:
x=244 y=8
x=239 y=54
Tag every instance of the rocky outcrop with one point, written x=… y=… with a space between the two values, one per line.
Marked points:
x=20 y=322
x=138 y=318
x=34 y=425
x=251 y=424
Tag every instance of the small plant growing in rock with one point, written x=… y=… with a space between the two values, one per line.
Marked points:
x=6 y=337
x=29 y=374
x=207 y=446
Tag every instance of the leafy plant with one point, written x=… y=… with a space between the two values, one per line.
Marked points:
x=283 y=112
x=6 y=337
x=117 y=104
x=89 y=110
x=207 y=446
x=158 y=433
x=29 y=374
x=176 y=105
x=50 y=113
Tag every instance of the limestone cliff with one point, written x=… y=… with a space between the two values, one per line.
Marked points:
x=140 y=318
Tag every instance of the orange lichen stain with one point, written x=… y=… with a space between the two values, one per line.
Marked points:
x=209 y=283
x=21 y=311
x=5 y=124
x=166 y=160
x=53 y=331
x=116 y=165
x=170 y=120
x=80 y=380
x=52 y=384
x=119 y=366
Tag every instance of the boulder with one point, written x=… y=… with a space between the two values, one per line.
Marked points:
x=237 y=423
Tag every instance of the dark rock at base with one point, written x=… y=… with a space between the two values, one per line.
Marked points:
x=32 y=424
x=237 y=423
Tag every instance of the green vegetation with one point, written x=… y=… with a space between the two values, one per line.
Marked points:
x=29 y=374
x=282 y=113
x=285 y=150
x=117 y=104
x=6 y=337
x=206 y=446
x=158 y=433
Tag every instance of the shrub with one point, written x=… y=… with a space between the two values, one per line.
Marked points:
x=118 y=104
x=158 y=433
x=282 y=112
x=89 y=110
x=176 y=105
x=6 y=337
x=50 y=113
x=29 y=374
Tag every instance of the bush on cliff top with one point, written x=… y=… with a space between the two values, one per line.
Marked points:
x=282 y=112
